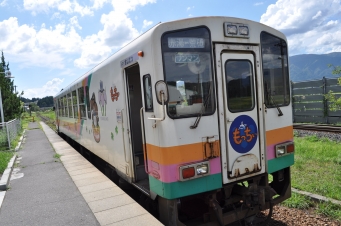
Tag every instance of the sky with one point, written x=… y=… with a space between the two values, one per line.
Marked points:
x=51 y=43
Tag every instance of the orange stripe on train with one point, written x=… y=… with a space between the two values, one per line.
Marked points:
x=181 y=154
x=279 y=135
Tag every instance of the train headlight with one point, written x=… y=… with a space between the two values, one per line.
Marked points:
x=202 y=169
x=236 y=30
x=231 y=29
x=284 y=149
x=243 y=30
x=280 y=150
x=194 y=170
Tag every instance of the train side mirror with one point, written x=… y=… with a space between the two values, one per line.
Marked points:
x=161 y=91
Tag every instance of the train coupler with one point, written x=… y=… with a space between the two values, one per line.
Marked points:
x=258 y=196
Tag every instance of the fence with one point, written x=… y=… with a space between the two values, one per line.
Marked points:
x=9 y=131
x=309 y=104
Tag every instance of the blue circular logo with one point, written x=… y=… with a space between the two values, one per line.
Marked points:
x=243 y=134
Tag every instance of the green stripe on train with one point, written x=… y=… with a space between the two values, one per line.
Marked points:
x=185 y=188
x=280 y=163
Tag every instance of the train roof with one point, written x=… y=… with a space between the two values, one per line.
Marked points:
x=170 y=25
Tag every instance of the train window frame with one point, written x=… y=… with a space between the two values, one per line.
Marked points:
x=87 y=100
x=69 y=104
x=74 y=103
x=148 y=93
x=252 y=88
x=269 y=99
x=60 y=106
x=66 y=114
x=204 y=91
x=81 y=103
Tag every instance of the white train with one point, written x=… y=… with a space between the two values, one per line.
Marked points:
x=196 y=114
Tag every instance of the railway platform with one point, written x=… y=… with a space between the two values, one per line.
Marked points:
x=53 y=184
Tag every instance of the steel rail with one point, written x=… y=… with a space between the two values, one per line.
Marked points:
x=316 y=127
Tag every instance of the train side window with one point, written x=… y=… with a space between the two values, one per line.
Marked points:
x=275 y=71
x=69 y=105
x=74 y=104
x=81 y=102
x=60 y=106
x=148 y=94
x=239 y=85
x=87 y=100
x=65 y=113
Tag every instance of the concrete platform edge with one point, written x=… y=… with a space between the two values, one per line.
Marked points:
x=315 y=197
x=7 y=174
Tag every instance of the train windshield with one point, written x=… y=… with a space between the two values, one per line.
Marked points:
x=188 y=72
x=275 y=71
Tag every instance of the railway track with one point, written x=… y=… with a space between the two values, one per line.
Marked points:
x=48 y=121
x=320 y=128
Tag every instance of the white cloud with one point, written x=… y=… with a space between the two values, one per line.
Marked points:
x=74 y=22
x=306 y=24
x=98 y=4
x=62 y=5
x=50 y=46
x=258 y=3
x=3 y=3
x=318 y=14
x=56 y=15
x=118 y=30
x=146 y=23
x=44 y=47
x=51 y=88
x=190 y=8
x=129 y=5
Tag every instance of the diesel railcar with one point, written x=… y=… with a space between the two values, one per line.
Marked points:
x=196 y=114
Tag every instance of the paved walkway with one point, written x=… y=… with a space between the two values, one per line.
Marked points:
x=47 y=190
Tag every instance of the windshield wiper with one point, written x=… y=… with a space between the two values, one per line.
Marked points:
x=197 y=120
x=280 y=113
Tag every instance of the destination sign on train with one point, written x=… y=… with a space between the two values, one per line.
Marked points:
x=186 y=42
x=187 y=58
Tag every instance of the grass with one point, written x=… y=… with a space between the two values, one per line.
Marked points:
x=317 y=166
x=26 y=119
x=5 y=156
x=316 y=170
x=329 y=209
x=302 y=202
x=51 y=115
x=298 y=201
x=57 y=156
x=3 y=140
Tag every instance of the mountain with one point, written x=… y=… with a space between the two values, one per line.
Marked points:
x=313 y=66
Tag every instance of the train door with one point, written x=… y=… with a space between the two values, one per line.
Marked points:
x=133 y=81
x=242 y=154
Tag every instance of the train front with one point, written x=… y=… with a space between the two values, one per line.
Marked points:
x=224 y=150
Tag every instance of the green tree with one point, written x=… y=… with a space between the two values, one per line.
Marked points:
x=46 y=101
x=34 y=107
x=10 y=101
x=334 y=101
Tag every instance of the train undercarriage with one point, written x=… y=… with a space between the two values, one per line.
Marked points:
x=247 y=203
